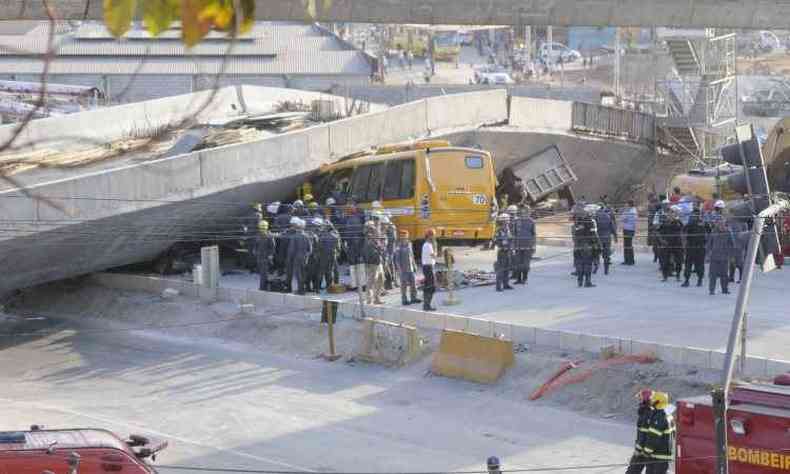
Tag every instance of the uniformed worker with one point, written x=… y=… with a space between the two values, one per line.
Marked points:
x=329 y=243
x=639 y=459
x=281 y=226
x=373 y=256
x=353 y=239
x=300 y=247
x=391 y=235
x=407 y=269
x=607 y=231
x=503 y=240
x=695 y=248
x=312 y=229
x=264 y=254
x=719 y=249
x=587 y=247
x=660 y=440
x=670 y=234
x=524 y=244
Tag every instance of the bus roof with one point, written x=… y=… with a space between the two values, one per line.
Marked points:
x=373 y=158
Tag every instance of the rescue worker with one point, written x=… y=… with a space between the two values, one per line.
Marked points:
x=587 y=247
x=653 y=207
x=264 y=254
x=719 y=249
x=373 y=256
x=281 y=226
x=695 y=248
x=298 y=208
x=428 y=260
x=300 y=247
x=670 y=235
x=607 y=230
x=639 y=460
x=313 y=210
x=503 y=239
x=312 y=273
x=660 y=440
x=403 y=257
x=524 y=244
x=577 y=217
x=738 y=226
x=329 y=243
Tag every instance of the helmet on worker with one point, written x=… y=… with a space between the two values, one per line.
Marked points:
x=719 y=204
x=659 y=400
x=263 y=226
x=512 y=209
x=298 y=203
x=330 y=201
x=308 y=198
x=504 y=217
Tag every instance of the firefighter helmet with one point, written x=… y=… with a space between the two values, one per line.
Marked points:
x=263 y=225
x=660 y=400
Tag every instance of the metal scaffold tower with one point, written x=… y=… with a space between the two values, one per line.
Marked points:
x=698 y=101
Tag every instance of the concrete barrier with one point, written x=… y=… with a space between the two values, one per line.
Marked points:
x=531 y=114
x=465 y=110
x=472 y=357
x=388 y=343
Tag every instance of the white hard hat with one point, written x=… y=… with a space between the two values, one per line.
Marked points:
x=273 y=207
x=375 y=205
x=719 y=204
x=294 y=221
x=318 y=221
x=512 y=208
x=330 y=201
x=298 y=203
x=503 y=217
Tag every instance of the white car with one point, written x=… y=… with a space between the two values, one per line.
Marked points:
x=552 y=52
x=496 y=78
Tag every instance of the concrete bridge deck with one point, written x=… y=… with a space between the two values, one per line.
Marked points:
x=133 y=212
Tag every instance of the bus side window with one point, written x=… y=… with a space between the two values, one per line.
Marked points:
x=359 y=183
x=376 y=182
x=407 y=180
x=392 y=183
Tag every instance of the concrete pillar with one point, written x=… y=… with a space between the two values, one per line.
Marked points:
x=209 y=257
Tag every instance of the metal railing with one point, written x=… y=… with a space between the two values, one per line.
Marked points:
x=609 y=121
x=696 y=103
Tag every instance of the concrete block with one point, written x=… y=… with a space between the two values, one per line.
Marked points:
x=430 y=320
x=456 y=323
x=699 y=358
x=523 y=334
x=473 y=108
x=756 y=367
x=530 y=113
x=777 y=367
x=503 y=330
x=547 y=338
x=482 y=327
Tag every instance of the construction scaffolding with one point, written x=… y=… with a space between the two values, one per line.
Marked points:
x=697 y=104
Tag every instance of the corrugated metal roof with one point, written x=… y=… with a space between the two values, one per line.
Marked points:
x=314 y=63
x=270 y=48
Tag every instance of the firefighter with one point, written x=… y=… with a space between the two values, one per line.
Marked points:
x=329 y=244
x=524 y=243
x=639 y=460
x=300 y=247
x=587 y=247
x=695 y=249
x=312 y=273
x=281 y=226
x=407 y=268
x=503 y=240
x=607 y=230
x=660 y=439
x=670 y=235
x=719 y=249
x=264 y=253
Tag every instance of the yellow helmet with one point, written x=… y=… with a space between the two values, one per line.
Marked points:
x=263 y=225
x=660 y=400
x=258 y=207
x=308 y=197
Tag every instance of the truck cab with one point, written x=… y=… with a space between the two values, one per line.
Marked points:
x=758 y=432
x=99 y=452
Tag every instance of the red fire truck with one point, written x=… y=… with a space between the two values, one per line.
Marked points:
x=758 y=431
x=85 y=451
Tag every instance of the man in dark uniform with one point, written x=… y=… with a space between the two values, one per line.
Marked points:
x=524 y=243
x=352 y=235
x=264 y=253
x=300 y=247
x=696 y=235
x=587 y=247
x=607 y=230
x=312 y=273
x=670 y=234
x=327 y=259
x=504 y=244
x=719 y=249
x=639 y=459
x=280 y=226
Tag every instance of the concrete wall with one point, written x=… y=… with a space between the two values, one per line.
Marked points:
x=531 y=336
x=541 y=114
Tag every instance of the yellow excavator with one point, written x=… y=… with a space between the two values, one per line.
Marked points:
x=729 y=181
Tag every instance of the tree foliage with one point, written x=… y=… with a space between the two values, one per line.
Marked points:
x=197 y=17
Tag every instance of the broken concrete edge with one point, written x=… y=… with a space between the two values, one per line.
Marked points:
x=691 y=357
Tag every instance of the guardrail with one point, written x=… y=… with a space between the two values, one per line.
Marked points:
x=612 y=122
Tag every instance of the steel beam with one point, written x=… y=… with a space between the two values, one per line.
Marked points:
x=758 y=14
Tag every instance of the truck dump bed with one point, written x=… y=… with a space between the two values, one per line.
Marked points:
x=544 y=173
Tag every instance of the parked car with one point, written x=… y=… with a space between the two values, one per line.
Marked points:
x=553 y=52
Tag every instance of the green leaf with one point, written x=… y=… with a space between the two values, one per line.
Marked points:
x=158 y=15
x=193 y=28
x=118 y=15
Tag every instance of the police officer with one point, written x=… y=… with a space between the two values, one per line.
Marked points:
x=352 y=236
x=503 y=240
x=524 y=243
x=264 y=253
x=607 y=230
x=719 y=249
x=670 y=234
x=407 y=268
x=312 y=274
x=695 y=248
x=587 y=246
x=329 y=243
x=300 y=247
x=281 y=226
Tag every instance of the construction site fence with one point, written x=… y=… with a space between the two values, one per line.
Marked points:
x=612 y=122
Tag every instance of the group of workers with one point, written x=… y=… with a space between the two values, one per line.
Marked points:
x=306 y=242
x=514 y=239
x=686 y=233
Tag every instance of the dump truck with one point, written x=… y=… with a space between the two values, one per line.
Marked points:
x=541 y=175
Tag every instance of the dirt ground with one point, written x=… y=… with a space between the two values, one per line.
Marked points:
x=608 y=393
